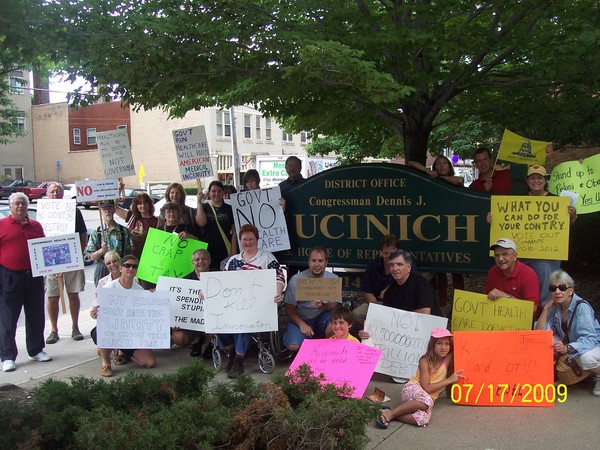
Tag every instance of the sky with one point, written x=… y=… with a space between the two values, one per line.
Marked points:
x=60 y=88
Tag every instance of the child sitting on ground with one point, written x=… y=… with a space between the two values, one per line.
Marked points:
x=423 y=389
x=341 y=321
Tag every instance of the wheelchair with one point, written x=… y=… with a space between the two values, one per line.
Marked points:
x=266 y=361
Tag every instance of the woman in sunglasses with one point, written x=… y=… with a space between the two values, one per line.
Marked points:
x=574 y=325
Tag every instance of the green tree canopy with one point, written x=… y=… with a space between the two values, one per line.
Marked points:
x=375 y=70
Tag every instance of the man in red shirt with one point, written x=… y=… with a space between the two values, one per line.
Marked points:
x=18 y=288
x=489 y=180
x=511 y=278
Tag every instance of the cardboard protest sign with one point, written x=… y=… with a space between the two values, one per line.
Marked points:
x=96 y=190
x=55 y=254
x=57 y=216
x=193 y=157
x=583 y=178
x=538 y=225
x=261 y=208
x=505 y=368
x=135 y=319
x=310 y=289
x=187 y=309
x=340 y=360
x=474 y=312
x=240 y=301
x=115 y=153
x=401 y=335
x=165 y=254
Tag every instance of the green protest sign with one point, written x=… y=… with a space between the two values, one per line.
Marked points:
x=583 y=178
x=164 y=254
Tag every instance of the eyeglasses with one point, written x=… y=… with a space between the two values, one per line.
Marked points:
x=561 y=287
x=130 y=266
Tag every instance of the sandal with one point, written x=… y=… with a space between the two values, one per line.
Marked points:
x=106 y=371
x=120 y=359
x=382 y=422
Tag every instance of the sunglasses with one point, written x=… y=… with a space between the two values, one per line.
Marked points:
x=130 y=266
x=561 y=287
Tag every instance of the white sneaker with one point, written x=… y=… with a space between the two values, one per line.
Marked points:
x=41 y=357
x=8 y=365
x=595 y=391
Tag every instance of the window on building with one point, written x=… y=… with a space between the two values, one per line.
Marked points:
x=268 y=136
x=121 y=127
x=223 y=124
x=287 y=137
x=76 y=136
x=19 y=123
x=257 y=133
x=247 y=126
x=304 y=137
x=16 y=82
x=91 y=136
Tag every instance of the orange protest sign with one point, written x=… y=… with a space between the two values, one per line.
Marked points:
x=505 y=368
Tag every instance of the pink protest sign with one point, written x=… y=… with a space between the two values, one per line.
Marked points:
x=340 y=360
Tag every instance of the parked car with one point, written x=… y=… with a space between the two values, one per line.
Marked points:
x=32 y=189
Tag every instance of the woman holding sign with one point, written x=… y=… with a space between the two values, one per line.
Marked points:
x=251 y=258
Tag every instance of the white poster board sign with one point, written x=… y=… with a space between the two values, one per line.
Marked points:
x=55 y=254
x=402 y=336
x=115 y=153
x=57 y=216
x=240 y=301
x=193 y=157
x=96 y=190
x=261 y=208
x=133 y=319
x=187 y=309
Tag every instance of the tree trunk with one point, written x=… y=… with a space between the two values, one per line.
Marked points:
x=416 y=135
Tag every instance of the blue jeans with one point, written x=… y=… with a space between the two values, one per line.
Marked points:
x=240 y=341
x=293 y=335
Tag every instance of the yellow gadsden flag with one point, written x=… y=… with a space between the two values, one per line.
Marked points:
x=519 y=149
x=142 y=173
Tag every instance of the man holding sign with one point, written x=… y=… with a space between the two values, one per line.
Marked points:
x=308 y=319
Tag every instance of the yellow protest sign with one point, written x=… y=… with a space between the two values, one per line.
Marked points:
x=583 y=178
x=538 y=225
x=475 y=312
x=522 y=150
x=309 y=289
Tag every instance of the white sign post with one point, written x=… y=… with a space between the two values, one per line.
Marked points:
x=240 y=301
x=133 y=319
x=55 y=254
x=57 y=216
x=261 y=208
x=115 y=153
x=187 y=309
x=193 y=157
x=402 y=336
x=96 y=190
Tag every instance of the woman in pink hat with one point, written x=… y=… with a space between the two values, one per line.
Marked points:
x=425 y=386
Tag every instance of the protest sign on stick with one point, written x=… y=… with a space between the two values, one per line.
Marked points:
x=505 y=368
x=115 y=153
x=401 y=335
x=582 y=178
x=57 y=216
x=193 y=157
x=261 y=208
x=309 y=289
x=165 y=254
x=96 y=190
x=340 y=360
x=187 y=308
x=240 y=301
x=133 y=319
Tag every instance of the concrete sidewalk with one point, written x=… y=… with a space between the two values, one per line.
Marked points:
x=573 y=424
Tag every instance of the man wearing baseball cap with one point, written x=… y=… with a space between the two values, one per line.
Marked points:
x=510 y=278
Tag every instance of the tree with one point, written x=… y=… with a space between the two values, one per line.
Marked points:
x=376 y=70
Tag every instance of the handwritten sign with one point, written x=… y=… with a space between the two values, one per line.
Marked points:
x=341 y=361
x=165 y=254
x=583 y=178
x=133 y=319
x=260 y=207
x=193 y=157
x=57 y=216
x=55 y=254
x=474 y=312
x=94 y=190
x=115 y=153
x=187 y=310
x=310 y=289
x=538 y=225
x=240 y=301
x=402 y=336
x=504 y=368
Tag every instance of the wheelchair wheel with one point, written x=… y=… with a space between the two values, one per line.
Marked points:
x=217 y=357
x=266 y=362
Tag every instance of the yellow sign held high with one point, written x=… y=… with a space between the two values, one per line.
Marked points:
x=519 y=149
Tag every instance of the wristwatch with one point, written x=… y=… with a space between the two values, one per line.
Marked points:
x=570 y=349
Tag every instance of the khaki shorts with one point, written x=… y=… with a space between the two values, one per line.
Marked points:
x=74 y=282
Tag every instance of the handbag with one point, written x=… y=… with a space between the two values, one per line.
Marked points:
x=566 y=369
